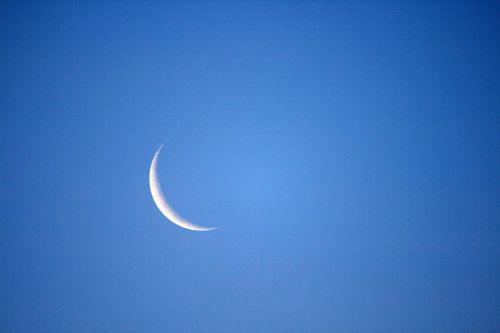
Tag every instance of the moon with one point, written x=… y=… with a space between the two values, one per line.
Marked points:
x=162 y=203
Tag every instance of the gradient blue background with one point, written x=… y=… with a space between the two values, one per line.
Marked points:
x=348 y=151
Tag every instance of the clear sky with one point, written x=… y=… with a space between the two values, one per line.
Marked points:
x=348 y=151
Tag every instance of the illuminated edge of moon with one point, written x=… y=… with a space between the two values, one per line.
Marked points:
x=163 y=204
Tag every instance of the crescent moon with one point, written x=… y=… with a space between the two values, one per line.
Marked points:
x=162 y=203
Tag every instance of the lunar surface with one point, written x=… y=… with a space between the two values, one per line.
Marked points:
x=163 y=204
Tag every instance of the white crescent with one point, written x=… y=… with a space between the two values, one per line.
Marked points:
x=162 y=203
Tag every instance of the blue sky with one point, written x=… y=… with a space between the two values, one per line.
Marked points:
x=348 y=151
